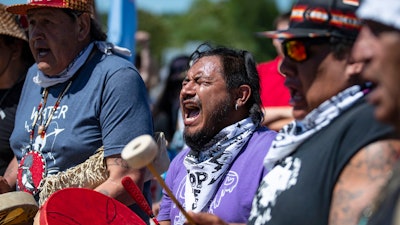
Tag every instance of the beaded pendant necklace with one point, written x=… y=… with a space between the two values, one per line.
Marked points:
x=39 y=114
x=32 y=166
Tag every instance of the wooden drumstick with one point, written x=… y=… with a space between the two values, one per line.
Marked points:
x=140 y=153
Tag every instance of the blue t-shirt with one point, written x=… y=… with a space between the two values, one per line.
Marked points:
x=106 y=105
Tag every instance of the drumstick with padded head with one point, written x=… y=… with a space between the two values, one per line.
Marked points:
x=140 y=153
x=138 y=196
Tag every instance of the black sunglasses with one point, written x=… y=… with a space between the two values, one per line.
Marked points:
x=199 y=52
x=208 y=49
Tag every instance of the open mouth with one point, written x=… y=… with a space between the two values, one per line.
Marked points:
x=297 y=99
x=191 y=112
x=42 y=52
x=370 y=85
x=296 y=95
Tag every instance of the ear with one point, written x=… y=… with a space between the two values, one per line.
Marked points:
x=83 y=26
x=243 y=95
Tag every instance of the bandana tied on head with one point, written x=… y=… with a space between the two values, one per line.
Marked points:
x=207 y=168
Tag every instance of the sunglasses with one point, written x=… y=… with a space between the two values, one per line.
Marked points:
x=298 y=49
x=199 y=52
x=209 y=49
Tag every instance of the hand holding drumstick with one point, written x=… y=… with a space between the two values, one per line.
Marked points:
x=140 y=153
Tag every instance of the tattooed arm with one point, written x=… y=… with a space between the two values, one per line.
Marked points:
x=118 y=169
x=361 y=180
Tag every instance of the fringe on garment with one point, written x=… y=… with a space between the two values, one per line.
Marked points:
x=93 y=171
x=88 y=174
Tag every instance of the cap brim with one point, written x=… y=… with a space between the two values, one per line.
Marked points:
x=294 y=33
x=22 y=9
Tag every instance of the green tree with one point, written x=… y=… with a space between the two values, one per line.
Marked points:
x=157 y=27
x=232 y=23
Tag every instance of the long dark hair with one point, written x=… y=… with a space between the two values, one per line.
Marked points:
x=239 y=68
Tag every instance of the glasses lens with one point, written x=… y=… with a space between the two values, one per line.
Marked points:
x=295 y=50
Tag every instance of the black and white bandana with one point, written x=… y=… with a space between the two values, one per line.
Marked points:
x=206 y=168
x=285 y=175
x=295 y=133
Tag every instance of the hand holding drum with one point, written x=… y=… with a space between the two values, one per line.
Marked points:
x=140 y=153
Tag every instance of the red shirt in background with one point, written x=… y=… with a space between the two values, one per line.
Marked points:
x=273 y=91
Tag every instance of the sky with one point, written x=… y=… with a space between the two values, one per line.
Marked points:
x=155 y=6
x=174 y=6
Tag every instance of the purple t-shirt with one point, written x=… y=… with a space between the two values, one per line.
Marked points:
x=233 y=200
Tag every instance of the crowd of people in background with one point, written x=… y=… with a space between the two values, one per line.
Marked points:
x=310 y=137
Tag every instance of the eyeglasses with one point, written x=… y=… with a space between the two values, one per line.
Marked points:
x=227 y=55
x=208 y=49
x=298 y=49
x=200 y=50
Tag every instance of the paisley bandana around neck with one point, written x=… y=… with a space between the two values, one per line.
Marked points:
x=206 y=170
x=295 y=133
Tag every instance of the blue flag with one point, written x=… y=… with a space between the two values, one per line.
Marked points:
x=122 y=25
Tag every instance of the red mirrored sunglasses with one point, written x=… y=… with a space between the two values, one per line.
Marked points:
x=298 y=49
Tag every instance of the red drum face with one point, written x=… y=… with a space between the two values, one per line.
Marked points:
x=84 y=206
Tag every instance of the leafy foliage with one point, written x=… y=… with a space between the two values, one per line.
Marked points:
x=226 y=22
x=232 y=23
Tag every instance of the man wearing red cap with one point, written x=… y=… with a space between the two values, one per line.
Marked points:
x=80 y=95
